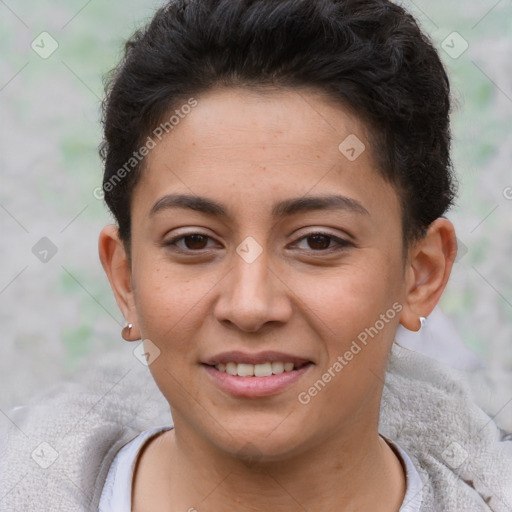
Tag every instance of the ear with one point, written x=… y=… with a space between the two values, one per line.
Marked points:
x=115 y=262
x=427 y=271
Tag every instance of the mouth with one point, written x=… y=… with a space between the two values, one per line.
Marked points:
x=258 y=370
x=255 y=375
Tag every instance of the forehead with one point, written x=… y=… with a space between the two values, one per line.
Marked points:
x=252 y=148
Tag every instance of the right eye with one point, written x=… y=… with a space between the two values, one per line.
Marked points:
x=193 y=242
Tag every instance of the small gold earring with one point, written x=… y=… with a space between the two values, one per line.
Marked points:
x=125 y=333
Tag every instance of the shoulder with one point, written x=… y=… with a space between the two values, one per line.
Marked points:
x=61 y=444
x=429 y=409
x=151 y=473
x=117 y=491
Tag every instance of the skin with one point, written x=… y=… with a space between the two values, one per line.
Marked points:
x=249 y=150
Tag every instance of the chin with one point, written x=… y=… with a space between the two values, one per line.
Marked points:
x=254 y=444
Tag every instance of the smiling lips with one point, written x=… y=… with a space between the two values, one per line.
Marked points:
x=255 y=370
x=255 y=375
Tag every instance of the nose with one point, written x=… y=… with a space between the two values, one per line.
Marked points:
x=253 y=295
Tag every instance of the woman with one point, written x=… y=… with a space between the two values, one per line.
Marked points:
x=279 y=171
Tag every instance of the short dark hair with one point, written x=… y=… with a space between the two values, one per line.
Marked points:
x=369 y=55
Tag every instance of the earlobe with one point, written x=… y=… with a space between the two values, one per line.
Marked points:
x=117 y=268
x=428 y=270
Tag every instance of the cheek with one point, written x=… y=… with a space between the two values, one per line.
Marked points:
x=356 y=313
x=169 y=310
x=169 y=300
x=350 y=297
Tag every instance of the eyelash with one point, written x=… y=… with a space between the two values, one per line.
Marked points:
x=342 y=244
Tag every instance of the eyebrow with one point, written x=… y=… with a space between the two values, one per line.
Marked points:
x=281 y=209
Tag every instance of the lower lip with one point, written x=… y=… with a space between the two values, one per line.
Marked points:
x=253 y=387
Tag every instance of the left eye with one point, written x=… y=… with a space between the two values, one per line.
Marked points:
x=321 y=241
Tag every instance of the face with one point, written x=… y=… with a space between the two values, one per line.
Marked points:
x=283 y=251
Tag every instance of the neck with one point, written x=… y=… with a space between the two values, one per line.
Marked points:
x=359 y=472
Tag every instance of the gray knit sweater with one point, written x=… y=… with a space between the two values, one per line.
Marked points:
x=59 y=447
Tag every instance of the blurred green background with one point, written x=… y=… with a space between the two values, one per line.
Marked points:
x=60 y=313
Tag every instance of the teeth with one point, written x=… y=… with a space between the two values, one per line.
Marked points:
x=245 y=370
x=231 y=368
x=255 y=370
x=277 y=368
x=263 y=370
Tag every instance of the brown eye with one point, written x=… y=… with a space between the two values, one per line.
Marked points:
x=193 y=242
x=319 y=242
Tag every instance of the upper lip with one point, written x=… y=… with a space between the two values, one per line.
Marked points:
x=257 y=358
